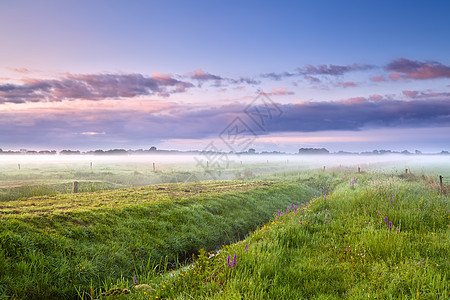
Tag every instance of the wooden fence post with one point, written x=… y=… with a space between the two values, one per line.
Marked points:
x=442 y=185
x=154 y=167
x=359 y=170
x=75 y=187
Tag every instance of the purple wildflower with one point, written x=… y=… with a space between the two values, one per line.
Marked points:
x=292 y=204
x=378 y=212
x=398 y=230
x=325 y=197
x=246 y=248
x=135 y=280
x=228 y=260
x=233 y=263
x=390 y=225
x=385 y=220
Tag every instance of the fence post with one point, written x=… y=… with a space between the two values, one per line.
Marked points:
x=154 y=167
x=442 y=185
x=406 y=170
x=359 y=170
x=75 y=187
x=19 y=166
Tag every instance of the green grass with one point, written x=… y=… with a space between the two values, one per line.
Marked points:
x=61 y=245
x=339 y=246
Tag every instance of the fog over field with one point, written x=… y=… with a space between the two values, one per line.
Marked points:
x=189 y=162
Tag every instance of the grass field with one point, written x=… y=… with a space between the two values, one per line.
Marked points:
x=288 y=235
x=50 y=245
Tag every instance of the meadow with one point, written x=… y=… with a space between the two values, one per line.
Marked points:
x=271 y=232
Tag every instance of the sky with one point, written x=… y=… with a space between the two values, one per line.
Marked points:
x=225 y=75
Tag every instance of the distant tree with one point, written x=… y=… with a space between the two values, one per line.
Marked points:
x=418 y=152
x=152 y=149
x=116 y=151
x=251 y=151
x=444 y=152
x=313 y=151
x=69 y=152
x=406 y=152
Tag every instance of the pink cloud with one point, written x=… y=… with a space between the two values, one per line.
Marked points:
x=348 y=84
x=200 y=75
x=419 y=70
x=395 y=76
x=376 y=97
x=354 y=100
x=91 y=87
x=280 y=91
x=378 y=79
x=411 y=94
x=20 y=70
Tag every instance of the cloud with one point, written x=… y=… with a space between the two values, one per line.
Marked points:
x=359 y=113
x=333 y=70
x=378 y=79
x=411 y=94
x=280 y=92
x=312 y=79
x=425 y=95
x=405 y=68
x=307 y=71
x=278 y=76
x=19 y=70
x=93 y=133
x=245 y=80
x=219 y=81
x=203 y=76
x=138 y=122
x=91 y=87
x=345 y=84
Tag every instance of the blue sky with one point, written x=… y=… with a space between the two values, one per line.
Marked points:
x=348 y=75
